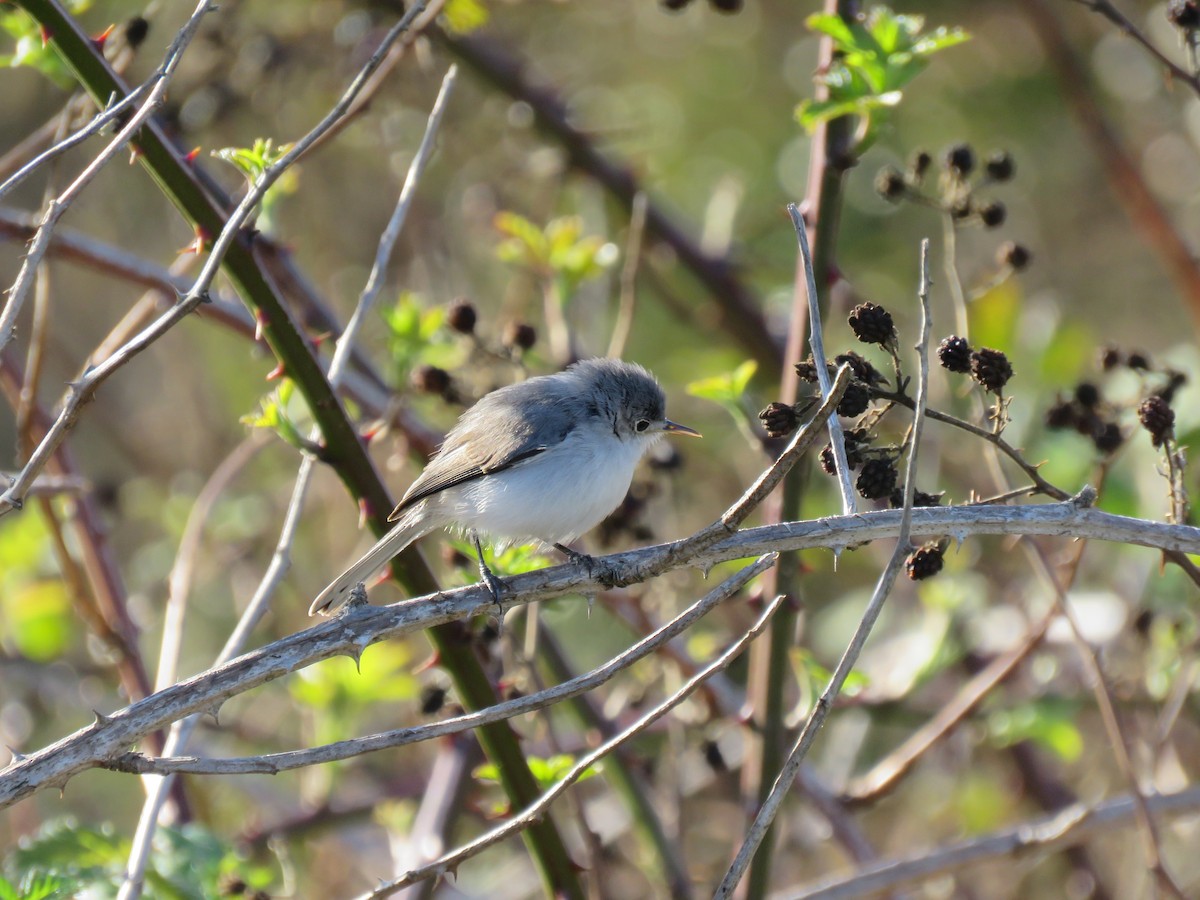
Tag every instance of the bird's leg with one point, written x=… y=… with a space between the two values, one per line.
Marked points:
x=602 y=572
x=488 y=576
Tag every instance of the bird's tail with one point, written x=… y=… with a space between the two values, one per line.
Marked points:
x=407 y=530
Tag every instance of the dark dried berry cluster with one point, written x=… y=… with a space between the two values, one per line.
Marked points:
x=954 y=353
x=518 y=337
x=872 y=324
x=890 y=183
x=461 y=316
x=433 y=698
x=1184 y=14
x=920 y=498
x=956 y=193
x=877 y=478
x=855 y=401
x=1000 y=166
x=991 y=369
x=430 y=380
x=1012 y=255
x=1158 y=418
x=723 y=6
x=959 y=159
x=861 y=368
x=1089 y=413
x=857 y=398
x=779 y=419
x=925 y=562
x=855 y=440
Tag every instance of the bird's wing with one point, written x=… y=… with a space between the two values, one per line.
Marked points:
x=499 y=432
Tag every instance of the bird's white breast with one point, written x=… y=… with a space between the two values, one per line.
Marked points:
x=555 y=496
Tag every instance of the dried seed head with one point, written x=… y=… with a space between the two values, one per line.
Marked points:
x=993 y=214
x=1158 y=418
x=519 y=336
x=462 y=316
x=779 y=419
x=991 y=369
x=877 y=479
x=889 y=183
x=925 y=562
x=855 y=401
x=430 y=379
x=954 y=353
x=1015 y=256
x=959 y=159
x=1000 y=166
x=872 y=324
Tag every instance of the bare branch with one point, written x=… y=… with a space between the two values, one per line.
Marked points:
x=791 y=766
x=274 y=763
x=1069 y=827
x=350 y=633
x=538 y=809
x=817 y=343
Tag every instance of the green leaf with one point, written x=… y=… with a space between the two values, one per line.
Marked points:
x=277 y=411
x=725 y=388
x=37 y=619
x=560 y=254
x=464 y=16
x=526 y=243
x=253 y=161
x=414 y=333
x=995 y=316
x=877 y=58
x=1049 y=722
x=940 y=39
x=548 y=772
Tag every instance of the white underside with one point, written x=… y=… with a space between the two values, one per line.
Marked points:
x=554 y=497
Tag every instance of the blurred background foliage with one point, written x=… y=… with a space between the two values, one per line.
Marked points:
x=701 y=105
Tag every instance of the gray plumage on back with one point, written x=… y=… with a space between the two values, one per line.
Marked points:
x=545 y=458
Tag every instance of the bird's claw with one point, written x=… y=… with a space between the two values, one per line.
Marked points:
x=601 y=571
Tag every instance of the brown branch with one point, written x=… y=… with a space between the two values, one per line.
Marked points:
x=1124 y=176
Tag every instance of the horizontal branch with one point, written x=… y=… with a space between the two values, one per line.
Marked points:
x=359 y=627
x=274 y=763
x=1069 y=826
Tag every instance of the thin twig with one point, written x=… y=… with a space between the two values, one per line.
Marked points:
x=791 y=767
x=452 y=860
x=1043 y=486
x=280 y=561
x=817 y=345
x=58 y=206
x=89 y=381
x=1112 y=725
x=628 y=282
x=179 y=580
x=109 y=114
x=884 y=775
x=1067 y=827
x=274 y=763
x=1118 y=18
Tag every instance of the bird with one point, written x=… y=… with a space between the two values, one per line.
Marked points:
x=544 y=459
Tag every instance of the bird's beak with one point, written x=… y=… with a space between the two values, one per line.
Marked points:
x=675 y=428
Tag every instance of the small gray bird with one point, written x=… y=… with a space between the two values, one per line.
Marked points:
x=545 y=460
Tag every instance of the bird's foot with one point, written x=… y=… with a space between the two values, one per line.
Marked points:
x=602 y=571
x=489 y=578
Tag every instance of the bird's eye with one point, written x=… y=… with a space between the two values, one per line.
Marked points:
x=641 y=425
